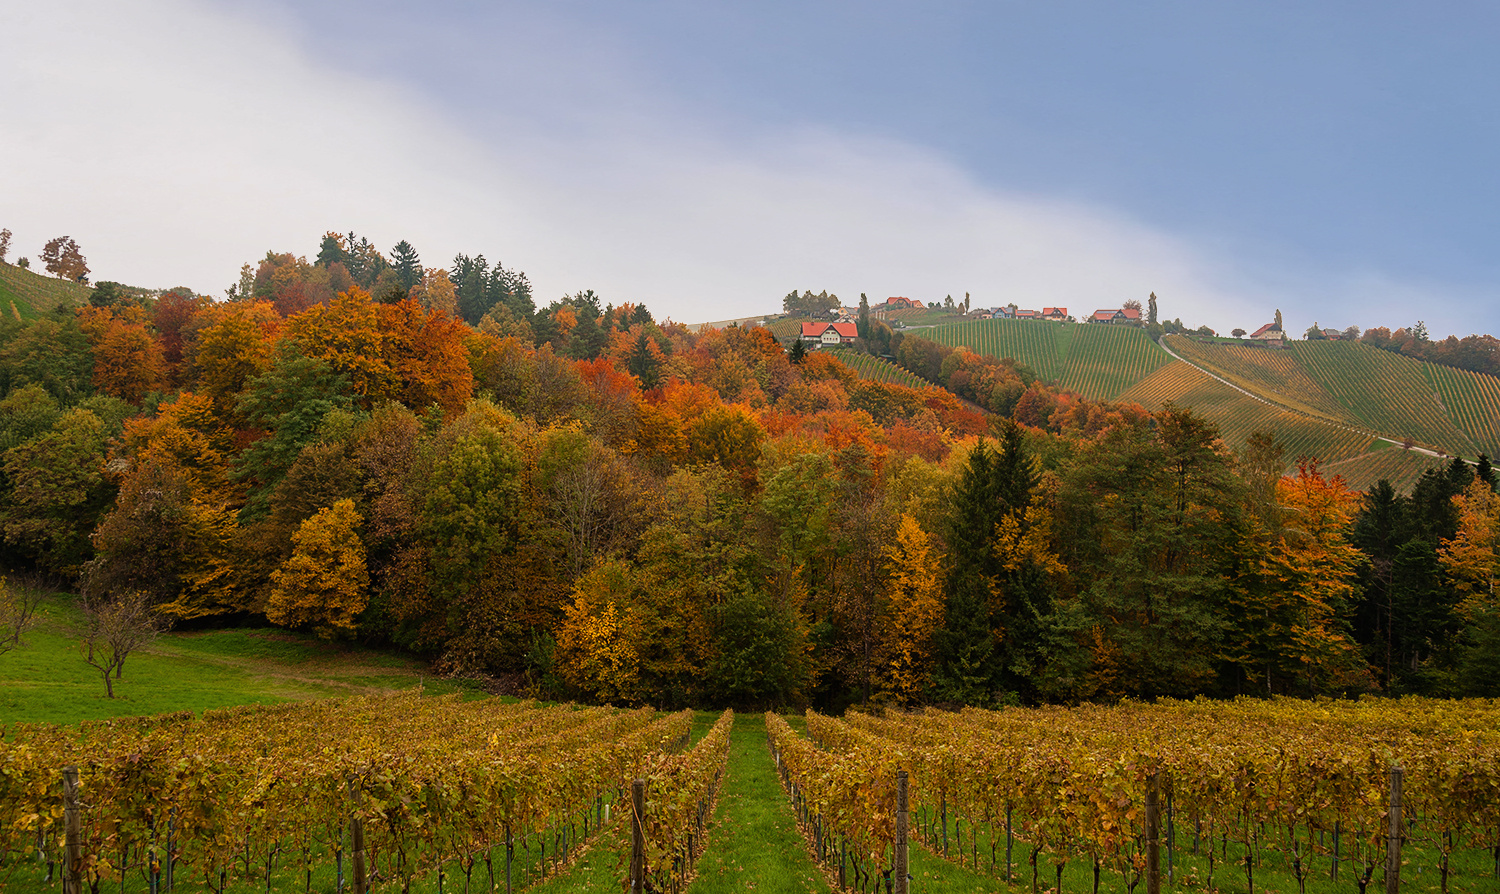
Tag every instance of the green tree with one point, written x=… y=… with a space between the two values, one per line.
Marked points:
x=288 y=402
x=57 y=492
x=863 y=326
x=407 y=265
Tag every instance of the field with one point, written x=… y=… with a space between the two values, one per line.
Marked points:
x=1099 y=362
x=1238 y=415
x=29 y=295
x=1388 y=461
x=880 y=370
x=1472 y=401
x=1274 y=374
x=1388 y=393
x=1280 y=796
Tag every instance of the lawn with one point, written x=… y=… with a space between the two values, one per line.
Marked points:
x=47 y=679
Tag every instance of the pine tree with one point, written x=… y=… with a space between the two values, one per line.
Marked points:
x=863 y=326
x=407 y=265
x=1151 y=311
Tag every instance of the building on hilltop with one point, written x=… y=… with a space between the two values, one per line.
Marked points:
x=1269 y=335
x=819 y=335
x=1057 y=314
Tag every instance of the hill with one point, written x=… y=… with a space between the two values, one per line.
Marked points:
x=1347 y=404
x=28 y=295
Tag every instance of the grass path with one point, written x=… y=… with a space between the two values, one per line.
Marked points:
x=753 y=841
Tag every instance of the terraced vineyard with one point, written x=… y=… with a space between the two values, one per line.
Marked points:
x=1041 y=346
x=32 y=294
x=1387 y=392
x=1272 y=373
x=786 y=328
x=1472 y=401
x=1238 y=415
x=880 y=370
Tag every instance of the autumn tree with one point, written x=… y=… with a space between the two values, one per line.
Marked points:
x=1471 y=559
x=18 y=606
x=57 y=491
x=324 y=583
x=64 y=259
x=128 y=360
x=113 y=628
x=915 y=587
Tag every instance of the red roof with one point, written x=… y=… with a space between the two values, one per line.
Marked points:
x=816 y=330
x=1269 y=327
x=1131 y=313
x=1103 y=315
x=1054 y=311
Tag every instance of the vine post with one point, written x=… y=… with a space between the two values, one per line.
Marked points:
x=1393 y=835
x=1153 y=837
x=900 y=869
x=73 y=834
x=637 y=836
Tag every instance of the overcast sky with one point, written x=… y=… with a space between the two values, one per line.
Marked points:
x=1335 y=160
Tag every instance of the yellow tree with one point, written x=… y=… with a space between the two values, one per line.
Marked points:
x=1472 y=557
x=594 y=651
x=347 y=334
x=235 y=350
x=324 y=584
x=1312 y=569
x=916 y=593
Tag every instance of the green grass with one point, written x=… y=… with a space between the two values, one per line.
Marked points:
x=34 y=294
x=753 y=840
x=48 y=681
x=1098 y=361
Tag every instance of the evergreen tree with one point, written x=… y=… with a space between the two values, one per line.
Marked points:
x=798 y=351
x=863 y=326
x=1151 y=310
x=1485 y=472
x=331 y=250
x=407 y=265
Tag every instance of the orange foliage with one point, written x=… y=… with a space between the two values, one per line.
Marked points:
x=427 y=352
x=128 y=361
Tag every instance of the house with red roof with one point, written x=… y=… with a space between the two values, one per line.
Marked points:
x=1268 y=334
x=1127 y=315
x=1057 y=314
x=897 y=302
x=819 y=335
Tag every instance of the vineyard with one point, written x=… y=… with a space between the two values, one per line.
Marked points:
x=880 y=370
x=29 y=295
x=1273 y=374
x=1238 y=415
x=1387 y=392
x=1400 y=467
x=1245 y=795
x=368 y=794
x=1099 y=362
x=1041 y=346
x=1472 y=401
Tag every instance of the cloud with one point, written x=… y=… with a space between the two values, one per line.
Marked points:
x=176 y=140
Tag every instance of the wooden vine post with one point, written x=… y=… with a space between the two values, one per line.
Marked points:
x=73 y=834
x=357 y=844
x=899 y=867
x=1153 y=837
x=1393 y=836
x=637 y=837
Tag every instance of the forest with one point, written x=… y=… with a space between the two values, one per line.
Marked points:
x=580 y=501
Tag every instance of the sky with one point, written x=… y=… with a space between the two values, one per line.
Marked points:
x=1334 y=160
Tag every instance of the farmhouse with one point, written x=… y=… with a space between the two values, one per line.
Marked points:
x=1056 y=314
x=817 y=335
x=898 y=302
x=1268 y=334
x=1129 y=316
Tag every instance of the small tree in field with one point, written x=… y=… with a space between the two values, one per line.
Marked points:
x=4 y=244
x=17 y=614
x=113 y=628
x=63 y=258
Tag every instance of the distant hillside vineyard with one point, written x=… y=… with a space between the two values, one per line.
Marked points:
x=1351 y=406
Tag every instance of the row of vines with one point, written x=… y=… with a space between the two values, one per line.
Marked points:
x=377 y=793
x=1255 y=796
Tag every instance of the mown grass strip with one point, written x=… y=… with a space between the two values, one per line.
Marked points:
x=754 y=844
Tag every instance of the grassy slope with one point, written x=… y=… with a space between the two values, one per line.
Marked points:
x=47 y=680
x=1099 y=362
x=34 y=295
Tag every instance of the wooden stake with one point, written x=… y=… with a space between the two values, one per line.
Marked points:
x=73 y=834
x=1153 y=839
x=637 y=836
x=900 y=869
x=1393 y=836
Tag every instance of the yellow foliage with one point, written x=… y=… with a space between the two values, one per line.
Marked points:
x=324 y=584
x=916 y=610
x=593 y=651
x=1472 y=557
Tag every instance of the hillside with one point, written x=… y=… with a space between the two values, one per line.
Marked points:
x=28 y=295
x=1342 y=402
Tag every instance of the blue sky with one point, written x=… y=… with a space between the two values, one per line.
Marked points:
x=1336 y=160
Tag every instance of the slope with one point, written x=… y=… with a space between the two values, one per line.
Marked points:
x=1097 y=361
x=30 y=295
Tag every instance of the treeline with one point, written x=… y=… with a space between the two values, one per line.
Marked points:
x=590 y=503
x=1476 y=353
